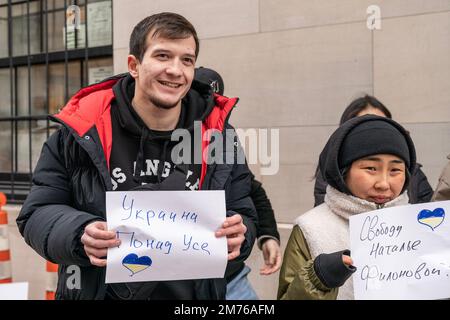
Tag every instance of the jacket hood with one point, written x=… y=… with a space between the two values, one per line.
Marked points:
x=330 y=155
x=195 y=106
x=91 y=107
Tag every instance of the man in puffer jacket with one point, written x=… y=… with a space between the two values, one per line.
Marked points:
x=367 y=163
x=116 y=135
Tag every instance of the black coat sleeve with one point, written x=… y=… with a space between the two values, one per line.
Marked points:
x=267 y=225
x=238 y=200
x=47 y=221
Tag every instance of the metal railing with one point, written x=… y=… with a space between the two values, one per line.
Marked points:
x=31 y=100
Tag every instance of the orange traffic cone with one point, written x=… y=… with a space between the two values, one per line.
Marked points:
x=52 y=280
x=5 y=255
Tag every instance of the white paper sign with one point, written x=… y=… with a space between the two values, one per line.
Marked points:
x=402 y=252
x=166 y=235
x=100 y=73
x=14 y=291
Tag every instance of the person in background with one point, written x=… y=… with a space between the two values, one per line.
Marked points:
x=419 y=189
x=442 y=191
x=268 y=238
x=366 y=163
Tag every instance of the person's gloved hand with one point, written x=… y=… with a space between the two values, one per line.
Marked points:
x=333 y=269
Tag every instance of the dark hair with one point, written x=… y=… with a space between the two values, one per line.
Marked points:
x=358 y=105
x=355 y=107
x=167 y=25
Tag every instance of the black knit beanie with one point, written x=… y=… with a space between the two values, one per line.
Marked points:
x=360 y=137
x=373 y=137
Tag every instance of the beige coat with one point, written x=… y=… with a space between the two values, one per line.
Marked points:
x=442 y=191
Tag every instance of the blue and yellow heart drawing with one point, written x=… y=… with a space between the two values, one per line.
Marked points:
x=136 y=264
x=432 y=219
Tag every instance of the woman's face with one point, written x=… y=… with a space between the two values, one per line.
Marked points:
x=378 y=178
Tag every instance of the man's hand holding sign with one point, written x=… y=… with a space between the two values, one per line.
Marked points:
x=97 y=240
x=234 y=229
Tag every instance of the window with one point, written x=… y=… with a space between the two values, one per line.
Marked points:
x=49 y=49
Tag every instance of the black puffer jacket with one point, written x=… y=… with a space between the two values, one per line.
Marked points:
x=71 y=178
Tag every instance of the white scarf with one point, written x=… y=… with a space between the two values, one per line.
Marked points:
x=345 y=205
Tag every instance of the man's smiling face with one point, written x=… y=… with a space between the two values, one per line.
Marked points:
x=165 y=74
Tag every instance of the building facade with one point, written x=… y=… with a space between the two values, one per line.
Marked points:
x=49 y=49
x=294 y=64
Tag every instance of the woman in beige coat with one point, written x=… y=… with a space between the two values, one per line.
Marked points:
x=366 y=163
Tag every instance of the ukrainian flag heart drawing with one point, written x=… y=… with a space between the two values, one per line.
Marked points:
x=136 y=264
x=432 y=219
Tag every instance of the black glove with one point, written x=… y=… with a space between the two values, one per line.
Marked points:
x=331 y=270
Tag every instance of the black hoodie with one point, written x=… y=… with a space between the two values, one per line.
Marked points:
x=143 y=156
x=138 y=149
